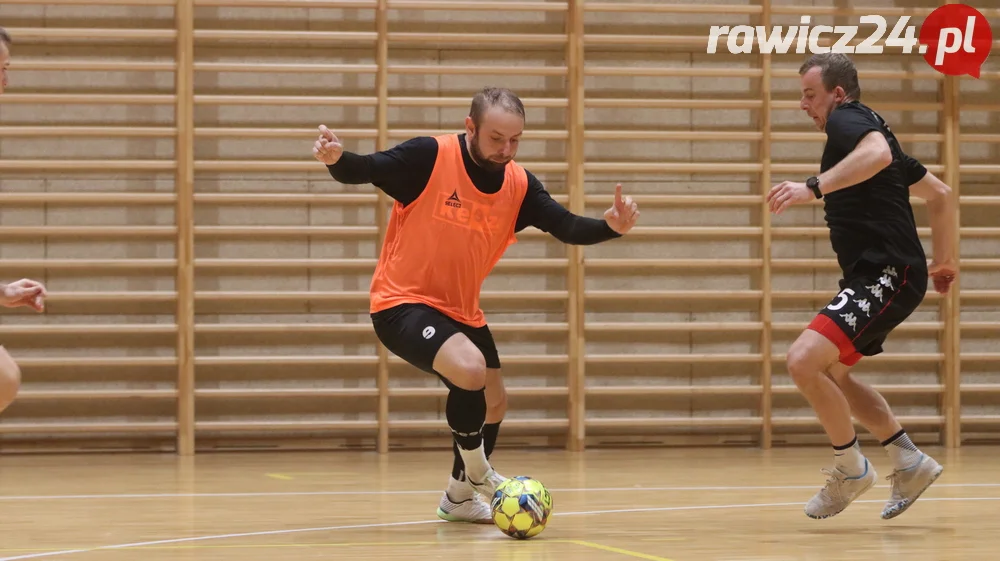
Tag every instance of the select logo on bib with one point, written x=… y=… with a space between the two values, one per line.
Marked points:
x=467 y=214
x=954 y=39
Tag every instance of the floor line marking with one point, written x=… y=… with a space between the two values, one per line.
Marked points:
x=281 y=476
x=436 y=521
x=437 y=492
x=220 y=537
x=183 y=547
x=619 y=550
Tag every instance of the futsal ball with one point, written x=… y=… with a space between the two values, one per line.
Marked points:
x=521 y=507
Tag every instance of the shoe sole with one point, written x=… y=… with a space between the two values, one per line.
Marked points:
x=896 y=512
x=449 y=518
x=832 y=514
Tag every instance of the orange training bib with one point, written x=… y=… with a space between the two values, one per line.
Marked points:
x=440 y=248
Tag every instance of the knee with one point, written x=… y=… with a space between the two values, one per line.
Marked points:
x=469 y=372
x=10 y=379
x=802 y=367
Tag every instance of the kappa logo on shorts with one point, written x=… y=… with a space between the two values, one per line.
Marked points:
x=467 y=214
x=865 y=306
x=429 y=332
x=876 y=290
x=851 y=320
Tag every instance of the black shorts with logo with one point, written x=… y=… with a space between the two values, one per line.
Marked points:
x=873 y=300
x=416 y=332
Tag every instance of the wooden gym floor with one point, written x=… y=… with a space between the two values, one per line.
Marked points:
x=673 y=504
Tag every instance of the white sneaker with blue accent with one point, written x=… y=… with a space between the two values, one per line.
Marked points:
x=908 y=484
x=839 y=492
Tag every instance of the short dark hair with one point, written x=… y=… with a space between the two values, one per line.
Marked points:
x=5 y=37
x=490 y=97
x=836 y=69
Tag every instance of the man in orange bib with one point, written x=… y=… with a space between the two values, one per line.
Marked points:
x=25 y=292
x=459 y=201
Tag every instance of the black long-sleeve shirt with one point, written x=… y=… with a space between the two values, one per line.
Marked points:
x=402 y=173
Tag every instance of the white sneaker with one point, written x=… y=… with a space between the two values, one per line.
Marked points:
x=489 y=485
x=908 y=484
x=839 y=492
x=473 y=510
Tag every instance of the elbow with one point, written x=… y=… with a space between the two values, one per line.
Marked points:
x=883 y=156
x=942 y=194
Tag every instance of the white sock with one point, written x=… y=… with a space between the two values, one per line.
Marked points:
x=850 y=460
x=903 y=452
x=459 y=491
x=476 y=464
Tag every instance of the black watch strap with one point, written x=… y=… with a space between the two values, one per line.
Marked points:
x=813 y=184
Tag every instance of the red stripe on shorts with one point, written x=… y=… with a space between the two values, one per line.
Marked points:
x=826 y=327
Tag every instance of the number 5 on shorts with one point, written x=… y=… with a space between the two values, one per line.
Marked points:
x=843 y=299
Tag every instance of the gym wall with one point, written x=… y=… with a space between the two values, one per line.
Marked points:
x=208 y=278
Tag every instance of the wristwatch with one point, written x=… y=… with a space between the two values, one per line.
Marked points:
x=813 y=184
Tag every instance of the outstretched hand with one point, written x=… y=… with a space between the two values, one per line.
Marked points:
x=943 y=274
x=327 y=148
x=24 y=292
x=623 y=213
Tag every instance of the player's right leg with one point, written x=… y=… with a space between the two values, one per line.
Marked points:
x=10 y=379
x=460 y=362
x=429 y=340
x=852 y=475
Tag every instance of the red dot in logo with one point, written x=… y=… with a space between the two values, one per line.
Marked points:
x=957 y=40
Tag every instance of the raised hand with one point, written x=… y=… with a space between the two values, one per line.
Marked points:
x=25 y=292
x=327 y=148
x=623 y=213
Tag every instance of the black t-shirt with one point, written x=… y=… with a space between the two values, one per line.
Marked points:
x=402 y=173
x=873 y=220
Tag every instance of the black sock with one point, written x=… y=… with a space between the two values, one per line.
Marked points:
x=848 y=457
x=458 y=466
x=490 y=433
x=902 y=451
x=843 y=447
x=466 y=413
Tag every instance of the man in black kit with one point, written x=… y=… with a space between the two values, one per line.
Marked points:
x=459 y=201
x=866 y=183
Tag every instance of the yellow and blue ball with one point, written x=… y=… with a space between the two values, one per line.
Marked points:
x=521 y=507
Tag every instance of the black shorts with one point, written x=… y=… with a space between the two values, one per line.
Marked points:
x=871 y=303
x=415 y=333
